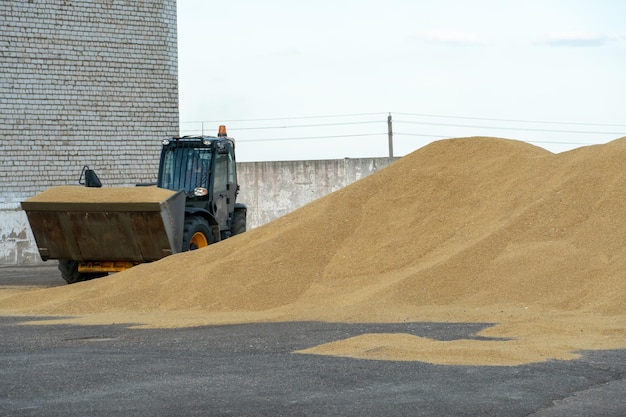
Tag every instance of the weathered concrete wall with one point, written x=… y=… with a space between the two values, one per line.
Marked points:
x=273 y=189
x=82 y=82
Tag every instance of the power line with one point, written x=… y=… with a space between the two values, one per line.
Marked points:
x=558 y=143
x=527 y=129
x=309 y=137
x=387 y=117
x=511 y=120
x=299 y=126
x=528 y=141
x=422 y=123
x=287 y=118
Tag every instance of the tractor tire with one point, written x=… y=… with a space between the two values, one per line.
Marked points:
x=197 y=233
x=69 y=272
x=239 y=222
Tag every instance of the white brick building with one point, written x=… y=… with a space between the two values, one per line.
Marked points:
x=83 y=82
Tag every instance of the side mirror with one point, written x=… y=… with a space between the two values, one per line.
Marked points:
x=224 y=147
x=91 y=179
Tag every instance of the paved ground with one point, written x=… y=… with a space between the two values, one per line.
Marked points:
x=249 y=370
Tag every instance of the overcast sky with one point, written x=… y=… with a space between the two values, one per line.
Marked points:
x=317 y=79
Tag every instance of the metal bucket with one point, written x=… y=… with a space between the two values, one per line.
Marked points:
x=102 y=229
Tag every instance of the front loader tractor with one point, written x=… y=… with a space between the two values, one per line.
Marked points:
x=95 y=230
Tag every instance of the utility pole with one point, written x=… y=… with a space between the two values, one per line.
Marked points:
x=390 y=134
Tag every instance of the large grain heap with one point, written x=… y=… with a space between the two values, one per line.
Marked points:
x=463 y=230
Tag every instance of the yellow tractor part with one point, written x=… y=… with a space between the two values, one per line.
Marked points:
x=105 y=266
x=199 y=240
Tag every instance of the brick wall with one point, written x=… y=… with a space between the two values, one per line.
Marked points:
x=82 y=82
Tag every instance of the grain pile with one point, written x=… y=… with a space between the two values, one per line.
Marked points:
x=463 y=230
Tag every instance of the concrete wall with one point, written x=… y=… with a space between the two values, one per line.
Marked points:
x=273 y=189
x=82 y=82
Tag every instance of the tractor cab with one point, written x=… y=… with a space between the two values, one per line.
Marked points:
x=204 y=168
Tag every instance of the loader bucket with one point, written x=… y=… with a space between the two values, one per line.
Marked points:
x=137 y=224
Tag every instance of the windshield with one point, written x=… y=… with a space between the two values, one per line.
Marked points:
x=185 y=169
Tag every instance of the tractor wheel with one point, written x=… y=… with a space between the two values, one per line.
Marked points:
x=69 y=272
x=239 y=222
x=197 y=233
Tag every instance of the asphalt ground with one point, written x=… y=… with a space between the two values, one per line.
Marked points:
x=250 y=370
